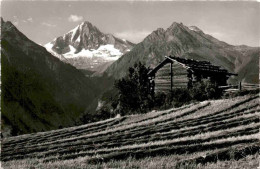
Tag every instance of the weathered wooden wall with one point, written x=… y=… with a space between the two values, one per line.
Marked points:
x=180 y=78
x=163 y=79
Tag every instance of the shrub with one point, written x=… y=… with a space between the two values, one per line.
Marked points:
x=104 y=112
x=200 y=91
x=205 y=90
x=241 y=93
x=180 y=96
x=134 y=94
x=159 y=99
x=111 y=97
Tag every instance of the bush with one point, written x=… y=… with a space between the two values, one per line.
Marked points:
x=241 y=93
x=176 y=98
x=180 y=96
x=111 y=97
x=134 y=94
x=205 y=90
x=104 y=112
x=159 y=99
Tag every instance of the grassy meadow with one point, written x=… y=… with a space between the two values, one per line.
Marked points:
x=213 y=134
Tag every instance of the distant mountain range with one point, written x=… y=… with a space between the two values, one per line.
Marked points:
x=40 y=92
x=190 y=42
x=86 y=47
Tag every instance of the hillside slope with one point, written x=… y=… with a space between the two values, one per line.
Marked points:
x=199 y=132
x=190 y=42
x=39 y=92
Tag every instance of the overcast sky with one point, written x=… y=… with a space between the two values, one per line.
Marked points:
x=236 y=23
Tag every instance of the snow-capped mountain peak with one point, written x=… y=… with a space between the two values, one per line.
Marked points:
x=87 y=41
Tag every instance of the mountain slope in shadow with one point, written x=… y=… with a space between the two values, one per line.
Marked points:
x=40 y=92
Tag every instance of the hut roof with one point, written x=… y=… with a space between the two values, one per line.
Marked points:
x=192 y=65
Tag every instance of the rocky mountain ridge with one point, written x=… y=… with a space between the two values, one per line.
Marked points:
x=86 y=47
x=191 y=43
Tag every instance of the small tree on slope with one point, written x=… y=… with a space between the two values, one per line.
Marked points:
x=133 y=89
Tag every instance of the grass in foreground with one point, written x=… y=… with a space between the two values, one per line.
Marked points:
x=204 y=133
x=159 y=162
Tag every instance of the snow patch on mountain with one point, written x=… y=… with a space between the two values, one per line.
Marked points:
x=74 y=31
x=107 y=52
x=71 y=52
x=194 y=28
x=78 y=39
x=49 y=46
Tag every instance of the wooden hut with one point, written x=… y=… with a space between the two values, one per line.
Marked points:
x=175 y=72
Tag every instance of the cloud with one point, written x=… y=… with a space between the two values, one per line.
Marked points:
x=16 y=23
x=48 y=24
x=75 y=18
x=30 y=19
x=218 y=35
x=225 y=35
x=234 y=37
x=133 y=35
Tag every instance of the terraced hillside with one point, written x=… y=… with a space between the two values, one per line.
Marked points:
x=198 y=133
